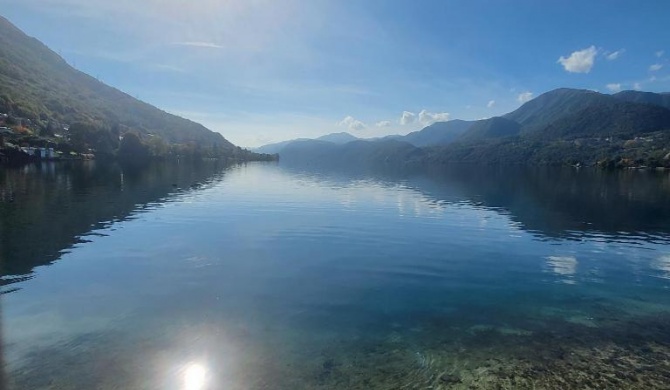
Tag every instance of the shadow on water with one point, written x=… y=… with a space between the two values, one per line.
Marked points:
x=46 y=209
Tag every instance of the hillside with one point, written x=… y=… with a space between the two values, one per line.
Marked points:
x=548 y=107
x=439 y=133
x=497 y=127
x=563 y=126
x=566 y=114
x=338 y=138
x=658 y=99
x=279 y=147
x=357 y=154
x=38 y=85
x=609 y=119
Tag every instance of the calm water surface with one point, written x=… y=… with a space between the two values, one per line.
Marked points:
x=260 y=276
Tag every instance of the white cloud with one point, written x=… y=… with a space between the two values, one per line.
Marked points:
x=407 y=118
x=383 y=124
x=655 y=67
x=579 y=61
x=206 y=45
x=637 y=86
x=524 y=96
x=660 y=53
x=614 y=87
x=352 y=123
x=614 y=55
x=491 y=103
x=428 y=118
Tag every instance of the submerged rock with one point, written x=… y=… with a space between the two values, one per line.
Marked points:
x=449 y=379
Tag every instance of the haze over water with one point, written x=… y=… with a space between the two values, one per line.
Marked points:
x=266 y=276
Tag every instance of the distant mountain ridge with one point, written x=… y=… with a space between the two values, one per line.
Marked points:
x=496 y=127
x=335 y=138
x=439 y=133
x=338 y=138
x=561 y=126
x=355 y=154
x=658 y=99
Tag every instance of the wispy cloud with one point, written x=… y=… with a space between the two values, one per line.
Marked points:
x=655 y=67
x=614 y=55
x=383 y=124
x=580 y=61
x=491 y=103
x=206 y=45
x=352 y=123
x=614 y=87
x=165 y=68
x=660 y=53
x=524 y=97
x=637 y=86
x=407 y=118
x=428 y=118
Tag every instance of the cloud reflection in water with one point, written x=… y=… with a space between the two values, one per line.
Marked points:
x=662 y=264
x=563 y=266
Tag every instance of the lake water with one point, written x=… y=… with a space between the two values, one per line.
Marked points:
x=261 y=276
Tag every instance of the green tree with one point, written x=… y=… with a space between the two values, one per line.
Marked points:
x=81 y=134
x=132 y=150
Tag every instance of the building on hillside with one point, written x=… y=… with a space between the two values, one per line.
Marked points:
x=41 y=153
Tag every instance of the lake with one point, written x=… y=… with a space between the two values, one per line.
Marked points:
x=264 y=276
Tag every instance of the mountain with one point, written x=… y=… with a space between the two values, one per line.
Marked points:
x=570 y=113
x=37 y=84
x=360 y=154
x=561 y=126
x=439 y=133
x=569 y=126
x=276 y=147
x=496 y=127
x=559 y=113
x=548 y=107
x=658 y=99
x=338 y=138
x=606 y=119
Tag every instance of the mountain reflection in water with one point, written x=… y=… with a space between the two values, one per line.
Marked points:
x=268 y=276
x=47 y=208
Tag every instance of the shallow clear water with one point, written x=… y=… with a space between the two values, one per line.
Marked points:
x=264 y=276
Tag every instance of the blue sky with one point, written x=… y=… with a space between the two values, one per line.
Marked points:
x=261 y=71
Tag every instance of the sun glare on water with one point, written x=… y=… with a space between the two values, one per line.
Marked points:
x=195 y=376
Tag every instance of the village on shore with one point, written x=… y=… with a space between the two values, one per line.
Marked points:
x=22 y=141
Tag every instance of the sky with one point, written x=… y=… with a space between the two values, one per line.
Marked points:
x=262 y=71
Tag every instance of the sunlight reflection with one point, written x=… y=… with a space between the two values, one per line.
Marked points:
x=195 y=376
